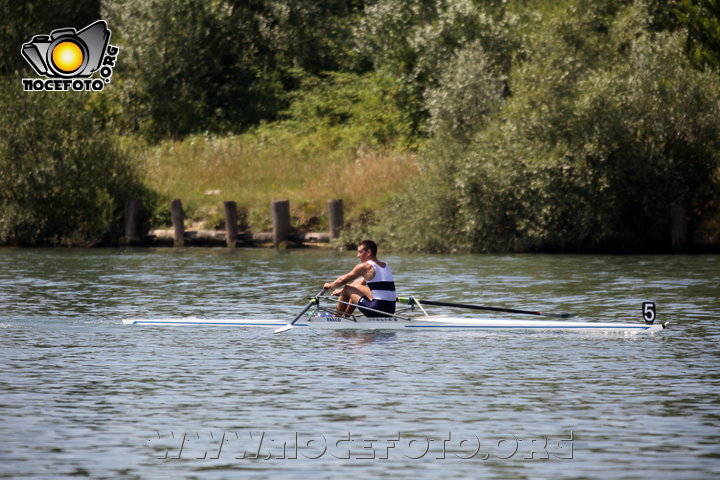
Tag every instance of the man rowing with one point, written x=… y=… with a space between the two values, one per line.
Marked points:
x=373 y=286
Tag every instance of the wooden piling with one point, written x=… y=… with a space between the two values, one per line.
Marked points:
x=131 y=218
x=280 y=221
x=231 y=233
x=178 y=222
x=335 y=217
x=679 y=236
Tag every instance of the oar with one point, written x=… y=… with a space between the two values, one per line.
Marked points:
x=411 y=300
x=313 y=301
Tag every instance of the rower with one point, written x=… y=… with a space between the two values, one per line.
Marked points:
x=373 y=286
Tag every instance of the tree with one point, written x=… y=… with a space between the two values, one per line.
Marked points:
x=701 y=19
x=23 y=20
x=470 y=88
x=220 y=66
x=415 y=40
x=62 y=180
x=604 y=131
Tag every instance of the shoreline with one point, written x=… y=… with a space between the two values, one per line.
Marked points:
x=219 y=238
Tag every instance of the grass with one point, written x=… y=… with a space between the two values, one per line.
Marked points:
x=266 y=164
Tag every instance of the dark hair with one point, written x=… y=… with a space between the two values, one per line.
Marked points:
x=370 y=245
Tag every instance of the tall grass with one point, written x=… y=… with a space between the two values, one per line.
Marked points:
x=267 y=164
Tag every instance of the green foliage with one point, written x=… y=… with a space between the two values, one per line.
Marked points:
x=346 y=111
x=701 y=18
x=62 y=182
x=23 y=20
x=605 y=129
x=179 y=71
x=470 y=88
x=415 y=41
x=543 y=125
x=219 y=66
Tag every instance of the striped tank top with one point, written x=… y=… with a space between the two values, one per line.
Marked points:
x=382 y=285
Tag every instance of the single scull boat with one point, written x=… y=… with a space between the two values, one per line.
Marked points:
x=317 y=316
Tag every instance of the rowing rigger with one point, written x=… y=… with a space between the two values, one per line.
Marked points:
x=320 y=317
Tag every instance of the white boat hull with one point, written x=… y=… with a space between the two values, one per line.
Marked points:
x=437 y=322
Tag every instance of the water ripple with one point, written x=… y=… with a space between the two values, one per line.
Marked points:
x=84 y=395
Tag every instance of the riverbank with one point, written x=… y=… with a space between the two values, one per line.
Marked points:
x=219 y=238
x=258 y=167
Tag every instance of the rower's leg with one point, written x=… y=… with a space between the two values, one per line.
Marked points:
x=340 y=307
x=351 y=294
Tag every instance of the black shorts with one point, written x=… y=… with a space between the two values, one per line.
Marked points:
x=383 y=305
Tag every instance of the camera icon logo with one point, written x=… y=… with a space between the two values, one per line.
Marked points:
x=67 y=53
x=67 y=58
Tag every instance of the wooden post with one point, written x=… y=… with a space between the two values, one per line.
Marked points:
x=335 y=217
x=131 y=214
x=280 y=221
x=231 y=224
x=679 y=218
x=177 y=220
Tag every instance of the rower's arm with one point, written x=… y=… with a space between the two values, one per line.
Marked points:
x=358 y=271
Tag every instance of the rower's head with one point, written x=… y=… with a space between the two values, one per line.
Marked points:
x=367 y=249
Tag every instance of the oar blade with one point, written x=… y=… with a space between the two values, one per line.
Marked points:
x=314 y=301
x=558 y=315
x=284 y=329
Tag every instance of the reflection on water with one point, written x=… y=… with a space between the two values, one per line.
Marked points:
x=359 y=337
x=84 y=395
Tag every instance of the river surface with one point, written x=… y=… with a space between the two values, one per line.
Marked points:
x=82 y=395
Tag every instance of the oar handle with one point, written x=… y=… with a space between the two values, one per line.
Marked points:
x=313 y=301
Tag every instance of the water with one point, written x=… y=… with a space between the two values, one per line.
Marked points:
x=84 y=396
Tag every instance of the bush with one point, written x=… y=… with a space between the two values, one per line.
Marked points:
x=222 y=66
x=607 y=127
x=414 y=40
x=349 y=111
x=62 y=181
